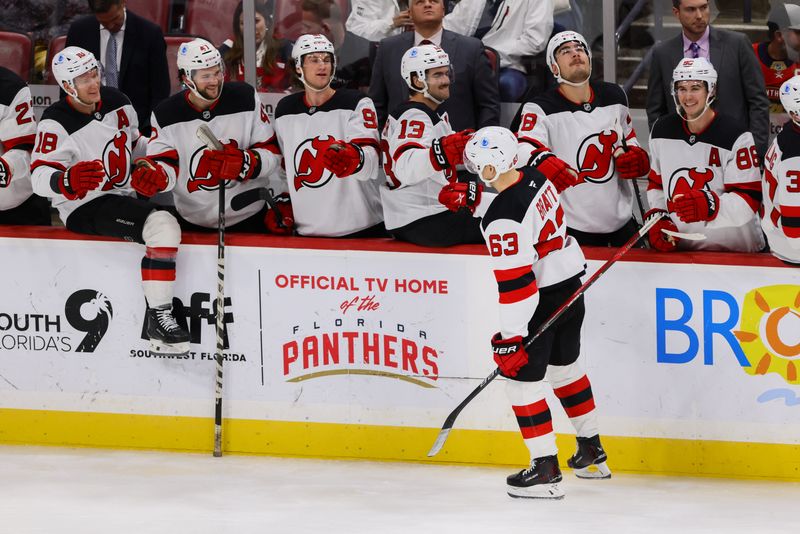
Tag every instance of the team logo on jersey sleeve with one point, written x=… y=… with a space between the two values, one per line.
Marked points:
x=309 y=169
x=596 y=157
x=685 y=179
x=117 y=161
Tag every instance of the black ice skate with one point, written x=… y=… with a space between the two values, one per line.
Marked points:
x=589 y=461
x=539 y=481
x=167 y=338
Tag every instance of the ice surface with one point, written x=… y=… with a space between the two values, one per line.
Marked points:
x=87 y=491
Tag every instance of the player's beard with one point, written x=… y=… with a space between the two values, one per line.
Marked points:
x=208 y=95
x=580 y=74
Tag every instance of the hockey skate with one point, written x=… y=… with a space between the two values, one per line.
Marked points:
x=167 y=338
x=539 y=481
x=589 y=461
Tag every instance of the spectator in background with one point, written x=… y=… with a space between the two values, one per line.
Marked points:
x=474 y=100
x=131 y=50
x=273 y=71
x=520 y=28
x=377 y=19
x=742 y=94
x=778 y=55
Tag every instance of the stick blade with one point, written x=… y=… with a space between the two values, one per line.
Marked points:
x=683 y=235
x=439 y=443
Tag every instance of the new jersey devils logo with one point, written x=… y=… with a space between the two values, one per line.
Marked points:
x=117 y=161
x=685 y=179
x=308 y=166
x=200 y=178
x=596 y=157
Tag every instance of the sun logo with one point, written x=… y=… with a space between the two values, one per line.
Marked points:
x=770 y=331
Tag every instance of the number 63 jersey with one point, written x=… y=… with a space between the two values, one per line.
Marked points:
x=527 y=239
x=721 y=159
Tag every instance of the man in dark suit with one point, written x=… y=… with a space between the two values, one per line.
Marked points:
x=741 y=92
x=132 y=51
x=474 y=99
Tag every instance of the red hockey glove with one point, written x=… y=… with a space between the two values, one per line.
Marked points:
x=232 y=163
x=632 y=162
x=284 y=214
x=448 y=151
x=148 y=177
x=556 y=170
x=509 y=354
x=81 y=178
x=695 y=205
x=658 y=239
x=5 y=173
x=343 y=158
x=457 y=195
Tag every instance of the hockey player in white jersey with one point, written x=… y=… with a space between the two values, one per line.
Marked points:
x=422 y=200
x=234 y=113
x=82 y=161
x=18 y=204
x=781 y=184
x=705 y=170
x=587 y=125
x=331 y=151
x=537 y=266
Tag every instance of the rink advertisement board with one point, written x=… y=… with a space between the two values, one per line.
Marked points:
x=335 y=339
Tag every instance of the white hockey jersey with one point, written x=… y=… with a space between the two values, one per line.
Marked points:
x=520 y=28
x=237 y=116
x=585 y=136
x=325 y=205
x=722 y=159
x=412 y=186
x=17 y=132
x=527 y=240
x=66 y=136
x=781 y=188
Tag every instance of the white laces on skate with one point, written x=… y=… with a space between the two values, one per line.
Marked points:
x=166 y=320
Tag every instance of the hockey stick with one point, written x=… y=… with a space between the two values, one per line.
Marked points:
x=635 y=182
x=244 y=199
x=208 y=138
x=451 y=419
x=682 y=235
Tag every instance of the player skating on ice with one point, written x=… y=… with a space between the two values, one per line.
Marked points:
x=84 y=149
x=781 y=184
x=537 y=267
x=705 y=170
x=235 y=115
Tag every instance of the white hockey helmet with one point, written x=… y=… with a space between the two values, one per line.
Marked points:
x=492 y=145
x=310 y=44
x=417 y=60
x=556 y=41
x=195 y=55
x=790 y=98
x=70 y=63
x=695 y=69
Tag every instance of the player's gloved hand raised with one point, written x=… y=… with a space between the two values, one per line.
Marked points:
x=232 y=163
x=658 y=239
x=81 y=178
x=458 y=195
x=5 y=174
x=556 y=170
x=509 y=354
x=632 y=162
x=448 y=151
x=285 y=215
x=148 y=178
x=343 y=158
x=695 y=205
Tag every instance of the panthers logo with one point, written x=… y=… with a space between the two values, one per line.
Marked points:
x=309 y=169
x=596 y=157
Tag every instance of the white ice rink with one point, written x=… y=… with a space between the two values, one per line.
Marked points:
x=87 y=491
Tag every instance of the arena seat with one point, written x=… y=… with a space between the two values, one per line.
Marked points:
x=16 y=53
x=156 y=11
x=55 y=46
x=210 y=19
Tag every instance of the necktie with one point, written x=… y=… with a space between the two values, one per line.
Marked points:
x=695 y=50
x=112 y=75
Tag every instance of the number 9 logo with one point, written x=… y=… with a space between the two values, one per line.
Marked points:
x=89 y=311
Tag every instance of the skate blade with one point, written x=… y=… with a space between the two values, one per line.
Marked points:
x=165 y=350
x=597 y=471
x=539 y=491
